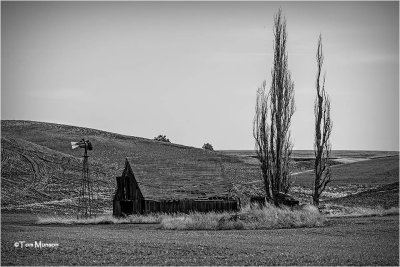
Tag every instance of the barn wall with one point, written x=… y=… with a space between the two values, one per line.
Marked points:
x=134 y=193
x=116 y=208
x=128 y=198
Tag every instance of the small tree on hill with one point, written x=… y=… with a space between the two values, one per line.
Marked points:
x=323 y=129
x=162 y=138
x=208 y=146
x=274 y=110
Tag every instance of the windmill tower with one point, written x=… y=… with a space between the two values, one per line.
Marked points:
x=85 y=199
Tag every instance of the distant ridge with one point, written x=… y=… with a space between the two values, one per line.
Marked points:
x=308 y=154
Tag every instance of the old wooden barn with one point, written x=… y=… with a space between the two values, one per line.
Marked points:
x=175 y=184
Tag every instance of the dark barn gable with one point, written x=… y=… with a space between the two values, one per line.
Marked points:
x=128 y=196
x=178 y=184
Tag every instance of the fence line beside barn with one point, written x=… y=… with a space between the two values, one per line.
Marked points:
x=187 y=205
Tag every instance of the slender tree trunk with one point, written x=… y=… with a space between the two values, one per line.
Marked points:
x=323 y=129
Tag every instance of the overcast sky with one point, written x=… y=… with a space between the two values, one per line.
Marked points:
x=191 y=70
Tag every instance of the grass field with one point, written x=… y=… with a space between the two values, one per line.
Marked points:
x=375 y=171
x=385 y=196
x=343 y=241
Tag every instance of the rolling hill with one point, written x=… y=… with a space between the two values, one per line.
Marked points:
x=40 y=171
x=43 y=178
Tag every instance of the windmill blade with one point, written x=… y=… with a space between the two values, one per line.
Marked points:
x=74 y=145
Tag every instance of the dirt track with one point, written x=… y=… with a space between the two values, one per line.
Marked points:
x=344 y=241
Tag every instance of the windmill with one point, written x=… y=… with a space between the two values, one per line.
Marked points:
x=85 y=200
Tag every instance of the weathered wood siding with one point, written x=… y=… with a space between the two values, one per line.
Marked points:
x=128 y=198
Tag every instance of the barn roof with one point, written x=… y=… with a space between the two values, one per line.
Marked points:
x=180 y=175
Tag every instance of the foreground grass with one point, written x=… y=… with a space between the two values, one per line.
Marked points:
x=102 y=219
x=362 y=241
x=268 y=217
x=250 y=217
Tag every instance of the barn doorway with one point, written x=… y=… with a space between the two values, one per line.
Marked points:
x=126 y=207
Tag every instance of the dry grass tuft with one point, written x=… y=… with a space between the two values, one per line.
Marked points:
x=250 y=217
